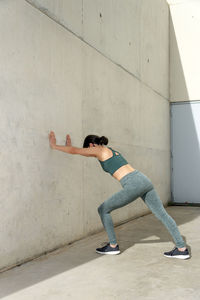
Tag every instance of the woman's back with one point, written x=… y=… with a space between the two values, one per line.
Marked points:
x=112 y=162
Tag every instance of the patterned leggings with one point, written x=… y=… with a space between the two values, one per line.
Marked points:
x=136 y=184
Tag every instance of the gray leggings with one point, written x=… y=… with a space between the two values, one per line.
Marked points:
x=136 y=184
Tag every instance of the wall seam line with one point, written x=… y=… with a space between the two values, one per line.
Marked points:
x=45 y=12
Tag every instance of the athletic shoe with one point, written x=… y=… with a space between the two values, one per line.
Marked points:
x=107 y=249
x=175 y=253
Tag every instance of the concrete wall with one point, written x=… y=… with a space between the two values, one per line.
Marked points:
x=184 y=50
x=124 y=31
x=52 y=80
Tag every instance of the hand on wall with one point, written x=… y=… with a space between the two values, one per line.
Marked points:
x=68 y=140
x=52 y=139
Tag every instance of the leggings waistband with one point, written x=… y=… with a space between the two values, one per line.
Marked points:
x=127 y=176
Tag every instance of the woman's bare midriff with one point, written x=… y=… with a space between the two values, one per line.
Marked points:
x=122 y=171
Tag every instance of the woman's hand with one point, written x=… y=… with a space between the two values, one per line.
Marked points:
x=52 y=139
x=68 y=140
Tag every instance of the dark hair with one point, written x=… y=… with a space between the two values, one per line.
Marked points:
x=95 y=139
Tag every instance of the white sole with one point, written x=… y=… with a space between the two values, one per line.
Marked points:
x=110 y=252
x=178 y=256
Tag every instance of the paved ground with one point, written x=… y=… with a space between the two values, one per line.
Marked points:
x=139 y=272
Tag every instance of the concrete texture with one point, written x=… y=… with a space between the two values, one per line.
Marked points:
x=52 y=80
x=140 y=272
x=184 y=50
x=134 y=34
x=69 y=13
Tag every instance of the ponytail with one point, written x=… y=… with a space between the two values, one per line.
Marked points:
x=103 y=140
x=95 y=139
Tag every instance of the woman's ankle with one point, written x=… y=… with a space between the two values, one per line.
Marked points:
x=113 y=245
x=182 y=249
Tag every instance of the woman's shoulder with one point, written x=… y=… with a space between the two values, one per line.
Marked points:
x=107 y=152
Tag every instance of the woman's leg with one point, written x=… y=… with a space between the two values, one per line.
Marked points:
x=154 y=203
x=134 y=185
x=117 y=200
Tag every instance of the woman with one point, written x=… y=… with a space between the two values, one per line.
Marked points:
x=134 y=184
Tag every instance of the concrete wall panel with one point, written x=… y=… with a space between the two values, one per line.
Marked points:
x=132 y=33
x=143 y=115
x=51 y=80
x=154 y=48
x=65 y=12
x=41 y=90
x=113 y=27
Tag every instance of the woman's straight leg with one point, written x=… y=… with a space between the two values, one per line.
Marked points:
x=152 y=200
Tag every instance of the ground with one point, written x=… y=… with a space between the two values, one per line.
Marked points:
x=140 y=271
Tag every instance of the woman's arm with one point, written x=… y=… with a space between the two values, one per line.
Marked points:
x=93 y=151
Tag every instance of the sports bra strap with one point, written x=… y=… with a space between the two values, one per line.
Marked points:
x=114 y=154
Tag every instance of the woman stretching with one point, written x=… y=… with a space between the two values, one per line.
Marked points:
x=134 y=184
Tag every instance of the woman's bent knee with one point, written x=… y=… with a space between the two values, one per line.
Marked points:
x=101 y=209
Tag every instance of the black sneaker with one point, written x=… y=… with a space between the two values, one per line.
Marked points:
x=175 y=253
x=107 y=249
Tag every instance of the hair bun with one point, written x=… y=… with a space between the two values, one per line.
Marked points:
x=103 y=140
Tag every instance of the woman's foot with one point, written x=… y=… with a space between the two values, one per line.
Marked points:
x=176 y=253
x=107 y=249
